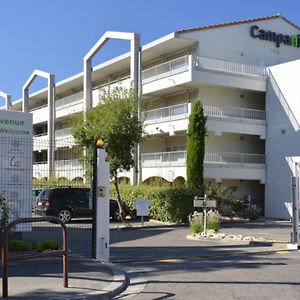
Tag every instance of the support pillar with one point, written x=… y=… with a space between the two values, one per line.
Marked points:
x=102 y=207
x=7 y=98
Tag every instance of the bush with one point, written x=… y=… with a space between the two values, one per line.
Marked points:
x=17 y=245
x=45 y=245
x=252 y=212
x=168 y=204
x=197 y=223
x=227 y=204
x=213 y=223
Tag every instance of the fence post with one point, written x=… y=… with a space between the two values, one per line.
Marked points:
x=94 y=200
x=295 y=206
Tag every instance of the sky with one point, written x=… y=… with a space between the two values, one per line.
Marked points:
x=54 y=35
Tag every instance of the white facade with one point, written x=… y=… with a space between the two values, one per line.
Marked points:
x=250 y=129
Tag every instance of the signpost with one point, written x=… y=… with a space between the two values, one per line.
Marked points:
x=142 y=208
x=16 y=165
x=204 y=203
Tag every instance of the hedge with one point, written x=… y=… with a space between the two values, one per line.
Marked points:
x=169 y=204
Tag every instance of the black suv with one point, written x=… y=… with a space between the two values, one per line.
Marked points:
x=68 y=203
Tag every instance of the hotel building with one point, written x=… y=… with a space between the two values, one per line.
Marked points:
x=245 y=74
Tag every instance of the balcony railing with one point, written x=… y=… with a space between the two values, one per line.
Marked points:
x=201 y=62
x=166 y=69
x=59 y=164
x=166 y=112
x=234 y=158
x=217 y=111
x=62 y=133
x=178 y=158
x=234 y=112
x=181 y=64
x=69 y=101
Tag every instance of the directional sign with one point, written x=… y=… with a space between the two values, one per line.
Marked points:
x=205 y=203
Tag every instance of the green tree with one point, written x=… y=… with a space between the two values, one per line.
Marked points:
x=196 y=146
x=115 y=120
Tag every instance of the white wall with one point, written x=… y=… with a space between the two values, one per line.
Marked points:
x=239 y=143
x=235 y=43
x=282 y=139
x=231 y=97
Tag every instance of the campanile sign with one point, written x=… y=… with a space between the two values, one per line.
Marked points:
x=16 y=164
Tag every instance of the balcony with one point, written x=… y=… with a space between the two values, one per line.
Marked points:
x=65 y=106
x=213 y=64
x=191 y=69
x=235 y=120
x=63 y=139
x=217 y=165
x=69 y=169
x=172 y=119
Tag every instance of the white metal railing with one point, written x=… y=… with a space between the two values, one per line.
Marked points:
x=59 y=164
x=234 y=158
x=201 y=62
x=63 y=132
x=165 y=112
x=164 y=159
x=62 y=164
x=166 y=69
x=181 y=64
x=218 y=111
x=178 y=158
x=38 y=107
x=64 y=102
x=69 y=101
x=234 y=112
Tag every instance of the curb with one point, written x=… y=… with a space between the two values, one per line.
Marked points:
x=119 y=283
x=254 y=241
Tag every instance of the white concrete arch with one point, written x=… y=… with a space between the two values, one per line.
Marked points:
x=51 y=116
x=135 y=76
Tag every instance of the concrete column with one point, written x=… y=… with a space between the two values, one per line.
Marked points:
x=102 y=207
x=7 y=99
x=135 y=79
x=25 y=100
x=51 y=126
x=87 y=84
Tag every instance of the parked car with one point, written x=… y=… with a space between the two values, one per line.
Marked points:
x=68 y=203
x=35 y=193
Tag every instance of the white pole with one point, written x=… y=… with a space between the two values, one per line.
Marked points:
x=204 y=212
x=102 y=207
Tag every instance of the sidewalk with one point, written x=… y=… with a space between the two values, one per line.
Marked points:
x=42 y=279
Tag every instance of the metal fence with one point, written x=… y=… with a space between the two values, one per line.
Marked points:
x=23 y=177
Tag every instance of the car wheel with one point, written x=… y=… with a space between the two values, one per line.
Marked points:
x=116 y=214
x=65 y=215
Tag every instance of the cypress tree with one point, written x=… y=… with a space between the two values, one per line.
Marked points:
x=196 y=146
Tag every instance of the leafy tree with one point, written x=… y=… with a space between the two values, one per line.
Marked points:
x=115 y=120
x=196 y=146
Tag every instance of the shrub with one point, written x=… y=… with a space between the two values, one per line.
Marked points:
x=252 y=212
x=197 y=226
x=17 y=245
x=227 y=204
x=168 y=204
x=213 y=223
x=45 y=245
x=197 y=222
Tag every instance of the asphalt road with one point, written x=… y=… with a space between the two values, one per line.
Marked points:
x=163 y=264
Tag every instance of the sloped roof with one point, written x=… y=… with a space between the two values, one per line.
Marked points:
x=238 y=23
